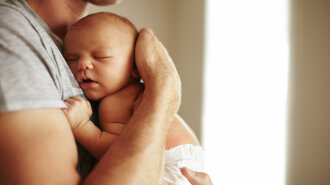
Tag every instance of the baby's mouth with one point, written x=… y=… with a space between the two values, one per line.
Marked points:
x=86 y=83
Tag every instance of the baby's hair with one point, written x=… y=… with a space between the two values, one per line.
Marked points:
x=111 y=18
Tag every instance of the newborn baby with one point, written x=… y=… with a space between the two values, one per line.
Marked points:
x=99 y=50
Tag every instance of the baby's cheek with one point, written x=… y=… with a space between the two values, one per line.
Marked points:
x=71 y=66
x=73 y=70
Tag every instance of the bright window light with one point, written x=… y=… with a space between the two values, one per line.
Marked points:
x=245 y=97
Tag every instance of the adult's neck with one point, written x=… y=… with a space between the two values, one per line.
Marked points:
x=59 y=14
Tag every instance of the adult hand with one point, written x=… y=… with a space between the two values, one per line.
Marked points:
x=157 y=70
x=196 y=178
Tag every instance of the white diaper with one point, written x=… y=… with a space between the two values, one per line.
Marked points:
x=187 y=155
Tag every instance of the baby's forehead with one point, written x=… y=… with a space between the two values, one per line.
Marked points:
x=106 y=21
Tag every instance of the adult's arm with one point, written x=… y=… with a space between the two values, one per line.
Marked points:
x=136 y=157
x=37 y=147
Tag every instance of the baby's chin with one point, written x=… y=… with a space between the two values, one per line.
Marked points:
x=92 y=96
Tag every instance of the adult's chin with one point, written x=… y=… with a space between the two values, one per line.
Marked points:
x=104 y=2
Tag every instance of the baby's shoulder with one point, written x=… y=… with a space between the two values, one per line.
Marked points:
x=119 y=106
x=125 y=97
x=131 y=90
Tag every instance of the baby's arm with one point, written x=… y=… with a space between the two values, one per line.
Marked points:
x=86 y=133
x=114 y=113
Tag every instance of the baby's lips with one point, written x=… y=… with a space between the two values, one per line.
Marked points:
x=85 y=79
x=87 y=84
x=88 y=81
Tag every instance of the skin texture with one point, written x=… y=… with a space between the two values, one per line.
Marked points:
x=38 y=147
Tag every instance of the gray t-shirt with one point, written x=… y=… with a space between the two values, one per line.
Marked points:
x=33 y=73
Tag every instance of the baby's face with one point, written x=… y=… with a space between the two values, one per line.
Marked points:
x=100 y=57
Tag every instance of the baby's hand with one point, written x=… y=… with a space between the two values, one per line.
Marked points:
x=78 y=112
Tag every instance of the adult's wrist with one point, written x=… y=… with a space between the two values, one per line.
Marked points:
x=164 y=92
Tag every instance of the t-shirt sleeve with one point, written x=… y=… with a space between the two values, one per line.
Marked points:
x=25 y=80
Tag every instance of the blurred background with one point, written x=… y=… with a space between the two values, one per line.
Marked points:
x=256 y=83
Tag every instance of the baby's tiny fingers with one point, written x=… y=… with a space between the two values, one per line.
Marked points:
x=69 y=101
x=66 y=103
x=78 y=98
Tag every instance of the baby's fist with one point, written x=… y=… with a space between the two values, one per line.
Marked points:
x=78 y=111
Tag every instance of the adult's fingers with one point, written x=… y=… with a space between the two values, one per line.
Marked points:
x=144 y=52
x=196 y=178
x=152 y=59
x=157 y=69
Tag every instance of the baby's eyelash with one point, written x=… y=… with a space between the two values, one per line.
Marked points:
x=71 y=59
x=102 y=57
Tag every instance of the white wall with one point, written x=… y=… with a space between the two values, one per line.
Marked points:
x=179 y=24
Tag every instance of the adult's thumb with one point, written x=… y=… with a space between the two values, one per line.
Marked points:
x=196 y=178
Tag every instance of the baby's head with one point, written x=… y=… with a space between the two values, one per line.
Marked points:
x=99 y=50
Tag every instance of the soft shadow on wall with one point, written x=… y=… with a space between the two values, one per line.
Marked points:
x=179 y=24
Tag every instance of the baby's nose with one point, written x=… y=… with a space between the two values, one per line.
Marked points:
x=85 y=64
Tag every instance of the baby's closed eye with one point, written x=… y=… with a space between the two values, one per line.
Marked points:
x=103 y=58
x=71 y=57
